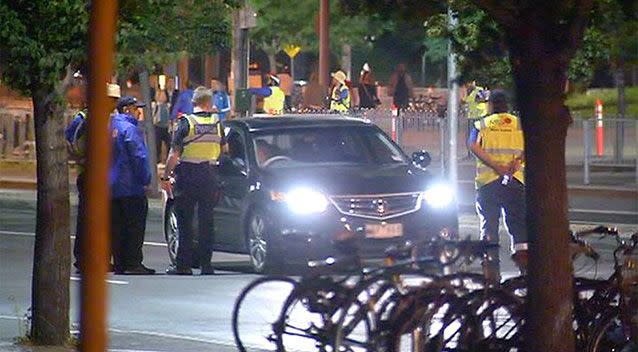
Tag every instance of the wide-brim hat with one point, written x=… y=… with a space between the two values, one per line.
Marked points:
x=340 y=76
x=113 y=90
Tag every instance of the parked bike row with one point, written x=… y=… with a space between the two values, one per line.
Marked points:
x=429 y=297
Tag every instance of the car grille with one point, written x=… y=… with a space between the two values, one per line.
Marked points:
x=378 y=206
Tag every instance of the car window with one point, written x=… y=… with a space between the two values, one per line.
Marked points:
x=320 y=145
x=236 y=148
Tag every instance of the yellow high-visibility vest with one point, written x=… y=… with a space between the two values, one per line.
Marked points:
x=274 y=104
x=338 y=104
x=203 y=143
x=500 y=136
x=475 y=109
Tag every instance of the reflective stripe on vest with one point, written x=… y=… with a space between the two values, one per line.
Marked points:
x=338 y=104
x=501 y=137
x=203 y=143
x=274 y=104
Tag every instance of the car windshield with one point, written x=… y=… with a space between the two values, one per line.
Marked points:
x=325 y=145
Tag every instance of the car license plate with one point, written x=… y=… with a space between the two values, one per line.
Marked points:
x=384 y=230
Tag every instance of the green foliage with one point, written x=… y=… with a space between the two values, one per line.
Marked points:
x=582 y=104
x=39 y=39
x=158 y=31
x=282 y=22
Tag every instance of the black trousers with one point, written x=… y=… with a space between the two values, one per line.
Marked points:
x=196 y=187
x=493 y=199
x=128 y=224
x=79 y=221
x=161 y=136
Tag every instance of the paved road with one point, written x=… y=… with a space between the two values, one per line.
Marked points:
x=153 y=313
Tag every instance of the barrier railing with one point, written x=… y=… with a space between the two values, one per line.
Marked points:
x=611 y=144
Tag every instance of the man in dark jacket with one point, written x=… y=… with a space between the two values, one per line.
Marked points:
x=130 y=174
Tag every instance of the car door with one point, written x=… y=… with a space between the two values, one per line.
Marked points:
x=228 y=227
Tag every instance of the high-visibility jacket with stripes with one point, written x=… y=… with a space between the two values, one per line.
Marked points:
x=274 y=103
x=337 y=102
x=501 y=137
x=203 y=142
x=475 y=107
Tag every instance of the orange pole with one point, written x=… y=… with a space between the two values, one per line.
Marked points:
x=93 y=322
x=600 y=131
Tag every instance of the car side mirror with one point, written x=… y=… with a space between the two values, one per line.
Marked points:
x=421 y=159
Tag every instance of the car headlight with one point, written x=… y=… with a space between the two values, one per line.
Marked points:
x=303 y=200
x=439 y=196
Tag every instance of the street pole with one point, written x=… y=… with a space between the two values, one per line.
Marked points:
x=452 y=106
x=93 y=297
x=324 y=43
x=243 y=19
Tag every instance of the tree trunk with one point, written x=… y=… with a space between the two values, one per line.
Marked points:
x=272 y=60
x=539 y=68
x=51 y=257
x=149 y=128
x=346 y=60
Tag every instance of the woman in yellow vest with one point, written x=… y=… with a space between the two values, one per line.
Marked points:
x=497 y=141
x=340 y=93
x=274 y=97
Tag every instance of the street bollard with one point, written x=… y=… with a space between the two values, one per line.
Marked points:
x=586 y=144
x=600 y=131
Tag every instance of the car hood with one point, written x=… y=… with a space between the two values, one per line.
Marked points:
x=350 y=180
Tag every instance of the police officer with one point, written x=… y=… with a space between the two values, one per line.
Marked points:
x=75 y=135
x=274 y=97
x=476 y=105
x=194 y=155
x=497 y=142
x=340 y=100
x=130 y=174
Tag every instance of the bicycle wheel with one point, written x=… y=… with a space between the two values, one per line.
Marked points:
x=500 y=319
x=358 y=322
x=256 y=309
x=611 y=335
x=448 y=325
x=307 y=317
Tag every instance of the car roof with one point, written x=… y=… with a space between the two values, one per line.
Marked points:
x=297 y=121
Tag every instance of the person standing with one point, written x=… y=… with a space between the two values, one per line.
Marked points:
x=287 y=86
x=130 y=174
x=475 y=105
x=183 y=104
x=497 y=141
x=340 y=98
x=367 y=89
x=75 y=135
x=194 y=156
x=274 y=97
x=161 y=121
x=401 y=87
x=221 y=100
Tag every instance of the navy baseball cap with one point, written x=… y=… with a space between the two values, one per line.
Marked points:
x=127 y=101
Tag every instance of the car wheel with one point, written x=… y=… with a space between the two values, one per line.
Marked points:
x=171 y=233
x=261 y=249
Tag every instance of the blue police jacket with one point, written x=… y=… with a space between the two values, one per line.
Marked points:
x=130 y=170
x=184 y=104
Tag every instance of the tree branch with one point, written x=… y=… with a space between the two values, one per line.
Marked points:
x=503 y=12
x=580 y=19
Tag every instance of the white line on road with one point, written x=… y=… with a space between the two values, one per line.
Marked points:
x=114 y=282
x=32 y=234
x=174 y=336
x=12 y=317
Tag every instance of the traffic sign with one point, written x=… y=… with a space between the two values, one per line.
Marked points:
x=292 y=50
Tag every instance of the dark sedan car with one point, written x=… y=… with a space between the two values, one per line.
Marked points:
x=295 y=188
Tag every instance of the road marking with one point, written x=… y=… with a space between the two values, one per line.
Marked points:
x=615 y=212
x=175 y=336
x=32 y=234
x=12 y=317
x=114 y=282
